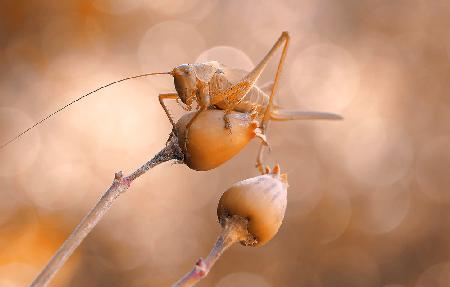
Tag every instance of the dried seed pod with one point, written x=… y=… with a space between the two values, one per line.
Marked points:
x=250 y=212
x=262 y=200
x=209 y=143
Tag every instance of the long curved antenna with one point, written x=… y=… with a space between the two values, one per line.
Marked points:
x=76 y=100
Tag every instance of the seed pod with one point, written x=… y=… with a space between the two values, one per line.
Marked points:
x=209 y=143
x=262 y=200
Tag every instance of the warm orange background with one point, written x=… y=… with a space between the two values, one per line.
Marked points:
x=369 y=196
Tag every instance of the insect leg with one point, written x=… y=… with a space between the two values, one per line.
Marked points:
x=171 y=96
x=259 y=159
x=188 y=126
x=204 y=103
x=285 y=36
x=227 y=120
x=267 y=114
x=236 y=92
x=277 y=114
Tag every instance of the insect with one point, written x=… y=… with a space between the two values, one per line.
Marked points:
x=212 y=85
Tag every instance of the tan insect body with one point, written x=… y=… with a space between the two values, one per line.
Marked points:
x=214 y=86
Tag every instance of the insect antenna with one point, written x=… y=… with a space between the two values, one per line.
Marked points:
x=76 y=100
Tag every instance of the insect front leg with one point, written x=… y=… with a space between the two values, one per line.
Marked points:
x=229 y=108
x=227 y=120
x=169 y=96
x=204 y=101
x=231 y=97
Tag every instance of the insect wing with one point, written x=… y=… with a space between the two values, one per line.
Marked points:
x=205 y=71
x=233 y=75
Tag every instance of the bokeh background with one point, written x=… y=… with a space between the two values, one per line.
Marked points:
x=369 y=197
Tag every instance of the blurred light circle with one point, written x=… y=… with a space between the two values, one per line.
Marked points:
x=332 y=215
x=324 y=77
x=9 y=203
x=173 y=7
x=23 y=63
x=65 y=186
x=378 y=152
x=135 y=126
x=62 y=36
x=176 y=238
x=199 y=12
x=118 y=128
x=262 y=14
x=132 y=247
x=229 y=56
x=349 y=266
x=381 y=14
x=303 y=176
x=19 y=155
x=432 y=169
x=242 y=279
x=116 y=6
x=198 y=190
x=295 y=17
x=437 y=276
x=7 y=283
x=85 y=71
x=16 y=274
x=167 y=45
x=382 y=210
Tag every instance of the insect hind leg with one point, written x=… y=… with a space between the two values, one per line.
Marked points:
x=267 y=113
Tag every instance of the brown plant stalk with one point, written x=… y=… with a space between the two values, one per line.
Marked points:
x=120 y=184
x=234 y=230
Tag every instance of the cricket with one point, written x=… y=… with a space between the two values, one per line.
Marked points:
x=214 y=86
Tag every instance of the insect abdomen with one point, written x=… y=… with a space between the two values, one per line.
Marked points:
x=254 y=100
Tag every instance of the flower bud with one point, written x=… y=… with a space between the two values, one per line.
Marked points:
x=261 y=199
x=209 y=143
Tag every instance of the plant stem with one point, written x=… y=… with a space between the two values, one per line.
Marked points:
x=120 y=184
x=234 y=230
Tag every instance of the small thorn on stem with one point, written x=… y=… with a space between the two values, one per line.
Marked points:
x=118 y=175
x=200 y=267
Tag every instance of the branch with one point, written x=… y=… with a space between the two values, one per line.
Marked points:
x=120 y=184
x=234 y=230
